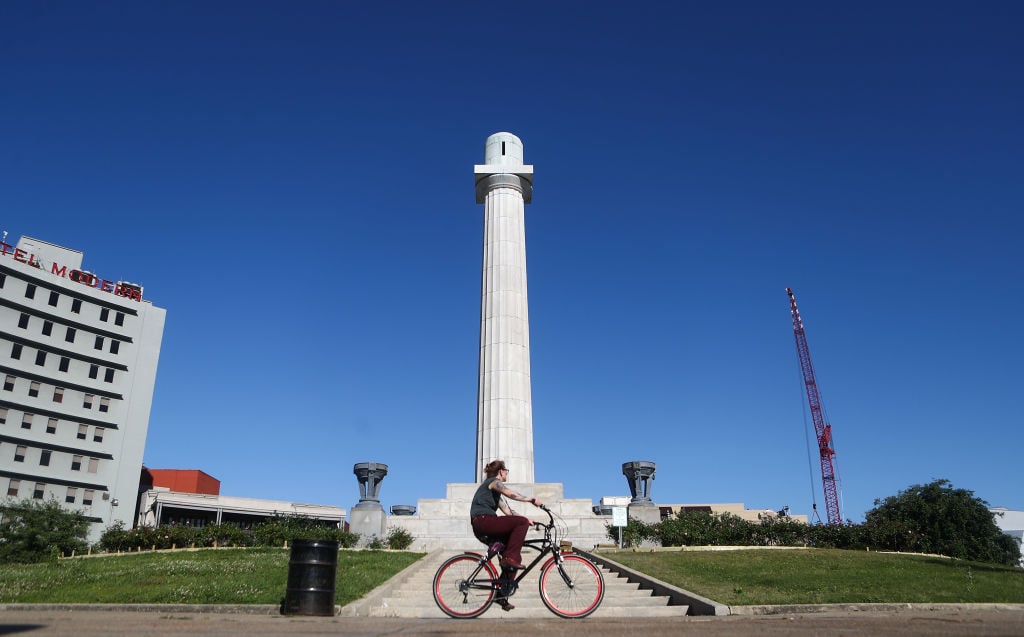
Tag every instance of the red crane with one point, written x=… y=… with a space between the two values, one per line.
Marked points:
x=822 y=430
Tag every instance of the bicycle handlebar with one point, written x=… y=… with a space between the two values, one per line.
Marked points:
x=551 y=519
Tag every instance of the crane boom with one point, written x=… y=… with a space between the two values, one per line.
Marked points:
x=822 y=430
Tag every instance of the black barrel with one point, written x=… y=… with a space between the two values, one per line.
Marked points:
x=311 y=574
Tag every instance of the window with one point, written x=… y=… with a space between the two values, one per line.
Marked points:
x=53 y=298
x=104 y=404
x=58 y=394
x=108 y=376
x=30 y=291
x=72 y=494
x=115 y=346
x=87 y=497
x=9 y=383
x=76 y=306
x=94 y=371
x=51 y=426
x=3 y=415
x=104 y=314
x=44 y=457
x=83 y=431
x=99 y=343
x=76 y=463
x=12 y=489
x=64 y=363
x=23 y=321
x=16 y=351
x=119 y=319
x=87 y=402
x=40 y=357
x=70 y=335
x=47 y=328
x=19 y=453
x=94 y=464
x=98 y=436
x=37 y=493
x=33 y=389
x=26 y=421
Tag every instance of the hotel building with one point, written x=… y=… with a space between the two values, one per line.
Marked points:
x=78 y=361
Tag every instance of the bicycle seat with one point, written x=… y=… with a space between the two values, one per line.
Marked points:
x=494 y=545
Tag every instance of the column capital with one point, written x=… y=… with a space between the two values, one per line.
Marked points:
x=490 y=176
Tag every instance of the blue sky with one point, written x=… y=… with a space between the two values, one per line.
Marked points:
x=293 y=183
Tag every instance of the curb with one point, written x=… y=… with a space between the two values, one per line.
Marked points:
x=226 y=609
x=782 y=609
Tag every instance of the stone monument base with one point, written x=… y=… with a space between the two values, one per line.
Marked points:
x=646 y=512
x=444 y=523
x=368 y=521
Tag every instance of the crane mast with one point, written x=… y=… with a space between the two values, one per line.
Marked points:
x=822 y=430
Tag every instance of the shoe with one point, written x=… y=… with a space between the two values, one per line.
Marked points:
x=509 y=564
x=505 y=605
x=507 y=587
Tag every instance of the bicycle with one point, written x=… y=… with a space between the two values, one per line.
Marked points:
x=570 y=586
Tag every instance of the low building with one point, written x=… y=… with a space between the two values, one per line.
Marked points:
x=733 y=508
x=189 y=497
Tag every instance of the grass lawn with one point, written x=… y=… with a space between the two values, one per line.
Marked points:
x=260 y=575
x=824 y=576
x=209 y=576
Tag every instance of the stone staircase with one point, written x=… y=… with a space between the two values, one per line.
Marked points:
x=408 y=594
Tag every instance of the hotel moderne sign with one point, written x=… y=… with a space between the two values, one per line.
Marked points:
x=127 y=290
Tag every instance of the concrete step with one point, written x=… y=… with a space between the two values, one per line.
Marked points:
x=522 y=612
x=412 y=597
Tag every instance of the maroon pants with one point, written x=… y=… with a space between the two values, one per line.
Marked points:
x=509 y=528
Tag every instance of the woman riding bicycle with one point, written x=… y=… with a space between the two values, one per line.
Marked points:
x=508 y=528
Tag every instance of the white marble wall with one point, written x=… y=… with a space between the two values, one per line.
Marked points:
x=443 y=523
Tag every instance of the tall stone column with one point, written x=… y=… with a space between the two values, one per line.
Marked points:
x=504 y=405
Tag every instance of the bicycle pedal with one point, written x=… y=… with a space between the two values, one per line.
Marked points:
x=507 y=589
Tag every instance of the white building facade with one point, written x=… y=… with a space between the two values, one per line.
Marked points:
x=1011 y=522
x=78 y=361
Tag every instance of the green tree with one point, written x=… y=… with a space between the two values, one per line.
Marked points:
x=938 y=518
x=34 y=531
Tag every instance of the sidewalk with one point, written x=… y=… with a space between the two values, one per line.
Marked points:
x=89 y=621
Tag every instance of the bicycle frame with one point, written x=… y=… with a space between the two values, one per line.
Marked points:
x=467 y=584
x=543 y=546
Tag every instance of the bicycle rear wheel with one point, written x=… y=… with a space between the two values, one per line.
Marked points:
x=573 y=589
x=460 y=593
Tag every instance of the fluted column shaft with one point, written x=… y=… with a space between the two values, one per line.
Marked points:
x=504 y=409
x=504 y=403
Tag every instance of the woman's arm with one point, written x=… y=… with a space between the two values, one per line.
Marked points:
x=500 y=487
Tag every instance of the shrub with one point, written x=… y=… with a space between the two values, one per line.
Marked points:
x=32 y=531
x=634 y=533
x=399 y=539
x=286 y=528
x=701 y=528
x=222 y=535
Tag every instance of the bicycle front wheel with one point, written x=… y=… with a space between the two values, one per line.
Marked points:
x=572 y=589
x=463 y=587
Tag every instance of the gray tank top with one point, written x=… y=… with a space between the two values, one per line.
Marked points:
x=485 y=500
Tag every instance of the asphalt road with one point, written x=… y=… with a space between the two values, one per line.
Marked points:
x=114 y=623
